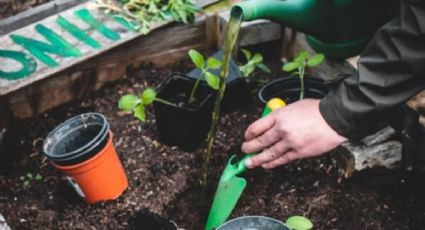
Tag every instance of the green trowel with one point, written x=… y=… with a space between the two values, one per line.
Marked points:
x=231 y=186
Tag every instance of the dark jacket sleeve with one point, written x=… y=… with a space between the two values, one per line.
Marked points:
x=390 y=71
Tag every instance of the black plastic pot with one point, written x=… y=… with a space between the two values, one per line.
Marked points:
x=77 y=139
x=237 y=92
x=254 y=222
x=288 y=89
x=179 y=126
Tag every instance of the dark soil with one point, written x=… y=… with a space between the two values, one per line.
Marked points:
x=11 y=7
x=164 y=180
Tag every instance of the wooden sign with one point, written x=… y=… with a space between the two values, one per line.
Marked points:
x=55 y=43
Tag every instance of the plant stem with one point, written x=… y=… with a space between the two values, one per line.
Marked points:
x=164 y=101
x=302 y=71
x=192 y=94
x=230 y=37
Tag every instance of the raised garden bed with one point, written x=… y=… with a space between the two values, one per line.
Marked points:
x=163 y=179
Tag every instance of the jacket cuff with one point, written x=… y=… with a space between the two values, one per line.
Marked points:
x=342 y=124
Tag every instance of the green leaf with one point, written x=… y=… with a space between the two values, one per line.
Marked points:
x=128 y=102
x=213 y=63
x=212 y=80
x=197 y=59
x=301 y=56
x=26 y=184
x=148 y=96
x=258 y=58
x=291 y=66
x=264 y=68
x=247 y=69
x=247 y=54
x=38 y=177
x=29 y=175
x=315 y=60
x=299 y=223
x=139 y=113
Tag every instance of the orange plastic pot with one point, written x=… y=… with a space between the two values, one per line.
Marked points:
x=99 y=178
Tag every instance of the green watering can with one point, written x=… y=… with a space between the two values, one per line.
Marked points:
x=230 y=186
x=337 y=28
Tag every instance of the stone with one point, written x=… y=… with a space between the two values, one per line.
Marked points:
x=3 y=224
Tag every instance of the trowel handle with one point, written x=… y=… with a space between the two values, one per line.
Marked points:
x=272 y=105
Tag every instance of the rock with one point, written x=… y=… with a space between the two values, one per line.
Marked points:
x=3 y=224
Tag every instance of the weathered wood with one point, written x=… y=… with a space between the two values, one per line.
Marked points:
x=43 y=71
x=163 y=46
x=35 y=14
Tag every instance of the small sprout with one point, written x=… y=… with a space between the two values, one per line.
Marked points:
x=128 y=102
x=29 y=178
x=38 y=177
x=298 y=66
x=299 y=223
x=252 y=62
x=137 y=105
x=205 y=66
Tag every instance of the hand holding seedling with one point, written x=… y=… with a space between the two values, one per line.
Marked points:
x=293 y=132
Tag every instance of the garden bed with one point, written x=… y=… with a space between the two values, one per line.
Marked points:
x=164 y=180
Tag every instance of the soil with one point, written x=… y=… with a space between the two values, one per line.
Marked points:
x=163 y=180
x=11 y=7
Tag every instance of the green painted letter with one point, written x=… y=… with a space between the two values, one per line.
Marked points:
x=58 y=46
x=85 y=15
x=77 y=32
x=29 y=65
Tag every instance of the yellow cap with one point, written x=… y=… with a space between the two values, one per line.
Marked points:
x=275 y=103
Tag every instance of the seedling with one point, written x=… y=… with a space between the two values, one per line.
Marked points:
x=299 y=65
x=299 y=223
x=137 y=104
x=211 y=63
x=29 y=179
x=252 y=62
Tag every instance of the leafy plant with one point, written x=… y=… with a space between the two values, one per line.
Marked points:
x=298 y=66
x=252 y=62
x=29 y=179
x=137 y=104
x=145 y=12
x=299 y=223
x=204 y=65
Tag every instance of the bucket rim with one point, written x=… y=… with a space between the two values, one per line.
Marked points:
x=253 y=216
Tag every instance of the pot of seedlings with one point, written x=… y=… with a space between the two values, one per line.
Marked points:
x=237 y=92
x=297 y=85
x=182 y=111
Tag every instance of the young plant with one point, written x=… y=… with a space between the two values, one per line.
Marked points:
x=137 y=104
x=252 y=62
x=299 y=65
x=205 y=66
x=29 y=179
x=299 y=223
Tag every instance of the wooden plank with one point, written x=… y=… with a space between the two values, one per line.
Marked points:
x=43 y=71
x=175 y=41
x=35 y=14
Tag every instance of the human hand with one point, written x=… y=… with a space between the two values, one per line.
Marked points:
x=293 y=132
